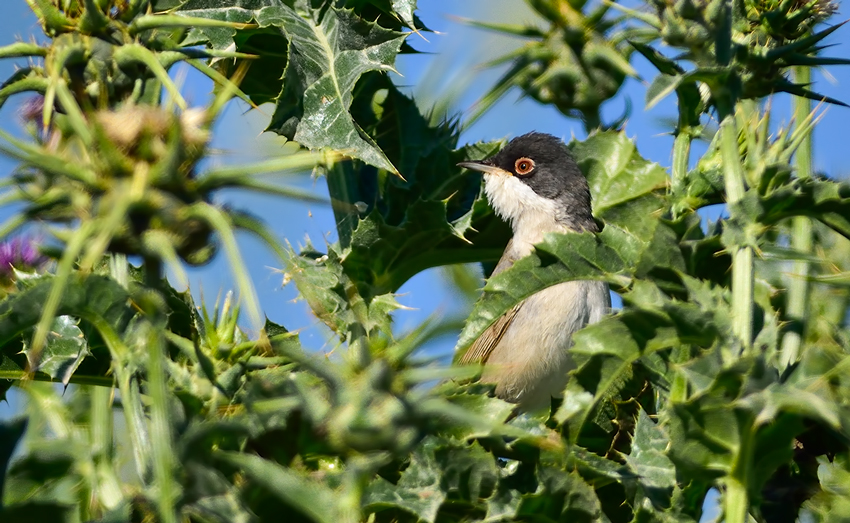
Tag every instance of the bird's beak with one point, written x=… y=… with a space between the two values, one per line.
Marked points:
x=485 y=166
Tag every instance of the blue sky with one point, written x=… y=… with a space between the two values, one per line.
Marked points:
x=451 y=54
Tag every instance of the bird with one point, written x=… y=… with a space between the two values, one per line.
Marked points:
x=535 y=185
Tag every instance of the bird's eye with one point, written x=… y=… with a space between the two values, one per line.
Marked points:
x=524 y=166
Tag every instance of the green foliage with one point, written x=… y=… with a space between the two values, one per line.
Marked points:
x=578 y=63
x=691 y=386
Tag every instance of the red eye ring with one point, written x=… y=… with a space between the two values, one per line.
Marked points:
x=523 y=166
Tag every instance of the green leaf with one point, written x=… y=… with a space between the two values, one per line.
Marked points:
x=616 y=172
x=437 y=215
x=705 y=432
x=310 y=498
x=664 y=65
x=224 y=11
x=662 y=85
x=327 y=55
x=832 y=502
x=405 y=10
x=97 y=299
x=800 y=90
x=385 y=256
x=745 y=417
x=264 y=78
x=655 y=472
x=11 y=432
x=821 y=199
x=334 y=297
x=613 y=356
x=419 y=491
x=391 y=229
x=564 y=496
x=65 y=349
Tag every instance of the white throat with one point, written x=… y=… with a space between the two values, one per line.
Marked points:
x=531 y=216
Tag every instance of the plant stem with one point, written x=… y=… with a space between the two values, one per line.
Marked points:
x=127 y=381
x=735 y=501
x=106 y=486
x=681 y=155
x=742 y=255
x=801 y=236
x=162 y=444
x=77 y=379
x=161 y=438
x=736 y=498
x=679 y=387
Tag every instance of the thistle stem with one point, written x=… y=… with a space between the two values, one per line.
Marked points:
x=742 y=255
x=801 y=236
x=681 y=156
x=736 y=498
x=679 y=387
x=161 y=441
x=76 y=379
x=162 y=444
x=125 y=380
x=106 y=485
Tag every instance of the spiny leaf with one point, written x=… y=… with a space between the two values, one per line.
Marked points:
x=419 y=491
x=307 y=497
x=85 y=297
x=661 y=86
x=655 y=472
x=822 y=199
x=65 y=349
x=334 y=297
x=562 y=496
x=664 y=65
x=405 y=10
x=617 y=174
x=222 y=11
x=800 y=90
x=391 y=229
x=326 y=58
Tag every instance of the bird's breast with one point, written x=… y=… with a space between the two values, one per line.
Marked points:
x=531 y=361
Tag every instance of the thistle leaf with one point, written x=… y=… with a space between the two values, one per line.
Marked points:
x=326 y=58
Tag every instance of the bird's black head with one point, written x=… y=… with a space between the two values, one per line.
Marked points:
x=542 y=163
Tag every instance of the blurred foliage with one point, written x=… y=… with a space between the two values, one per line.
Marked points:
x=577 y=63
x=689 y=387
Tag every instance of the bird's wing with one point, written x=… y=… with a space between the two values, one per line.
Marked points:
x=484 y=345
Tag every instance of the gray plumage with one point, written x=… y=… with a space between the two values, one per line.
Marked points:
x=535 y=185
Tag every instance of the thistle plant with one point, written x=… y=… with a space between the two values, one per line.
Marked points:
x=20 y=254
x=109 y=159
x=724 y=371
x=576 y=64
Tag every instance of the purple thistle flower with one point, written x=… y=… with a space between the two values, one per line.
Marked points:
x=20 y=253
x=31 y=109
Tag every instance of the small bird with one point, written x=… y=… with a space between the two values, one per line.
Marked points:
x=536 y=186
